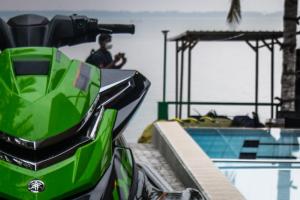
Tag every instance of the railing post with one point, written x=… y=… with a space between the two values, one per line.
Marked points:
x=163 y=111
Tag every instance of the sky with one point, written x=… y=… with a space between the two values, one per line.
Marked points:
x=265 y=6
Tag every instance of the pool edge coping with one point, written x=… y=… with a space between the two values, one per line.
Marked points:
x=245 y=128
x=177 y=146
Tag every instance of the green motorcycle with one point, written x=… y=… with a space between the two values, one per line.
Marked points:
x=60 y=119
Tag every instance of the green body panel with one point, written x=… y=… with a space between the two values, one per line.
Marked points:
x=25 y=100
x=73 y=175
x=38 y=107
x=124 y=175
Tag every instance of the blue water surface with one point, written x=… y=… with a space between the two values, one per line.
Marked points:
x=260 y=163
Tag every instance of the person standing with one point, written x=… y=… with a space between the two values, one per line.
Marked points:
x=102 y=57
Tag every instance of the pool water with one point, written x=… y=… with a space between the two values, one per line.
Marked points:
x=248 y=143
x=262 y=164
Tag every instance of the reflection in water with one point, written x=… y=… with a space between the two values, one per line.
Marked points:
x=275 y=133
x=230 y=176
x=283 y=184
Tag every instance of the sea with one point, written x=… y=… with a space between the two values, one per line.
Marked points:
x=221 y=71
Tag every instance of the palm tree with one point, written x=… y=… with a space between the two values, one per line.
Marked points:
x=234 y=15
x=288 y=78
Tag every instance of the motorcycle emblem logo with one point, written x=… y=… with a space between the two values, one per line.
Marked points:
x=36 y=186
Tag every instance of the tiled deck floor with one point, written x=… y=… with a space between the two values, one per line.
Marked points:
x=146 y=153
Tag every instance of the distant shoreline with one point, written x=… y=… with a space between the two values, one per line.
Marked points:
x=145 y=14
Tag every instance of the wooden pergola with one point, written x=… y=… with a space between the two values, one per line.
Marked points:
x=189 y=39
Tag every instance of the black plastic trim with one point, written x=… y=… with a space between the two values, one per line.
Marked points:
x=132 y=87
x=31 y=67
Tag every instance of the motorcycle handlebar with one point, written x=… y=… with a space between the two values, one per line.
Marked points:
x=77 y=29
x=116 y=28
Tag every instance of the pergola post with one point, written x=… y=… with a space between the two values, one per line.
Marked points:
x=176 y=78
x=256 y=75
x=270 y=46
x=182 y=49
x=191 y=45
x=272 y=78
x=256 y=50
x=189 y=79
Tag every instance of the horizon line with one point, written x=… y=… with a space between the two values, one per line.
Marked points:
x=142 y=11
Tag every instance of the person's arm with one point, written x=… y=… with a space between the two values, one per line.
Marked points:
x=124 y=60
x=113 y=64
x=118 y=57
x=110 y=66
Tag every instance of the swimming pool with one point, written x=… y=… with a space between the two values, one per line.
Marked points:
x=261 y=163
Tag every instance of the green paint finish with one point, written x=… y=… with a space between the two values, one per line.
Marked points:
x=37 y=107
x=68 y=177
x=32 y=87
x=115 y=192
x=31 y=105
x=125 y=175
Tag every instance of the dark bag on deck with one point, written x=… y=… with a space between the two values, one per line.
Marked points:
x=246 y=121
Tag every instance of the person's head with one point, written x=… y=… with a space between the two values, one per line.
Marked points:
x=104 y=41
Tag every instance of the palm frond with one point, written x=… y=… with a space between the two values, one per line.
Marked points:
x=234 y=15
